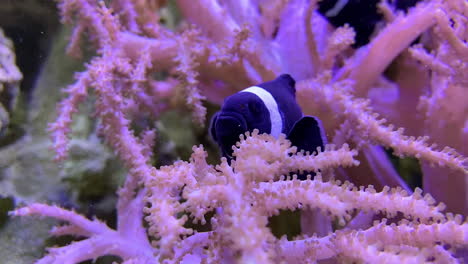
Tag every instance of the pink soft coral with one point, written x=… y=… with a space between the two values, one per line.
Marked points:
x=232 y=45
x=244 y=195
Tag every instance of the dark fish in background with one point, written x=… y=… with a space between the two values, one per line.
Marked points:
x=271 y=108
x=362 y=15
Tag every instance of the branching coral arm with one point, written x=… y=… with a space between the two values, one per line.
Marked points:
x=214 y=20
x=444 y=24
x=330 y=158
x=340 y=40
x=291 y=46
x=361 y=244
x=245 y=12
x=129 y=218
x=102 y=240
x=429 y=60
x=297 y=251
x=311 y=35
x=202 y=200
x=277 y=157
x=162 y=206
x=369 y=126
x=361 y=251
x=191 y=247
x=95 y=247
x=451 y=231
x=60 y=129
x=210 y=16
x=92 y=227
x=342 y=200
x=240 y=225
x=186 y=69
x=71 y=230
x=382 y=242
x=370 y=62
x=95 y=19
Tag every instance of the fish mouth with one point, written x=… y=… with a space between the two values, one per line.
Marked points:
x=229 y=127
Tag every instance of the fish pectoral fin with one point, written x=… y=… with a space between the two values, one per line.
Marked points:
x=307 y=134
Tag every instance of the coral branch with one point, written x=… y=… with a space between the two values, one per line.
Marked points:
x=341 y=200
x=128 y=242
x=93 y=227
x=371 y=128
x=370 y=62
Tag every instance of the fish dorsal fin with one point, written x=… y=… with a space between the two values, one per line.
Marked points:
x=283 y=83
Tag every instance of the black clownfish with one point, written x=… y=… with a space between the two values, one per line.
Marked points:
x=271 y=108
